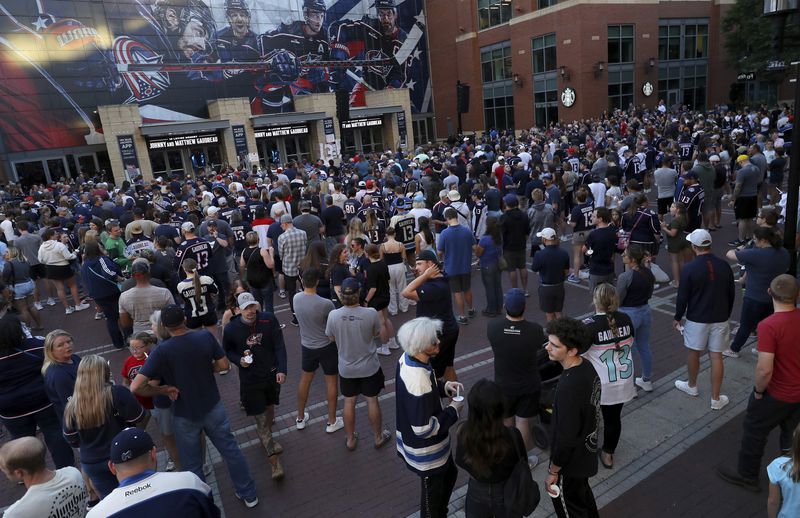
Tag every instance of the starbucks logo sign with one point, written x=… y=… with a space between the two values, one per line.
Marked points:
x=568 y=97
x=647 y=89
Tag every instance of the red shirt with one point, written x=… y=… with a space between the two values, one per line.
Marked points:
x=129 y=370
x=779 y=334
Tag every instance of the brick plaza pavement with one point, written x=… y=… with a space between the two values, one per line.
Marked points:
x=324 y=478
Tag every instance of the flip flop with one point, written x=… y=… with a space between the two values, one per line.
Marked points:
x=385 y=437
x=355 y=442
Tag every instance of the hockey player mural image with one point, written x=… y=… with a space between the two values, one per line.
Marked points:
x=170 y=57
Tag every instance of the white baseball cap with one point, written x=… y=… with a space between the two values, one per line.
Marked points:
x=211 y=210
x=699 y=237
x=547 y=233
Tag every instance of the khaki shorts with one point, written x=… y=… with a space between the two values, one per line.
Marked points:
x=715 y=337
x=579 y=237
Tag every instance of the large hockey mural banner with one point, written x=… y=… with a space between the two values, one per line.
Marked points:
x=59 y=59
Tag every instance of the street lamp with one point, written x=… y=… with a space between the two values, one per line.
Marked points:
x=779 y=11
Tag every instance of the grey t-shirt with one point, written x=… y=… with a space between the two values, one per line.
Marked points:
x=310 y=224
x=312 y=315
x=665 y=178
x=140 y=303
x=29 y=245
x=749 y=176
x=354 y=328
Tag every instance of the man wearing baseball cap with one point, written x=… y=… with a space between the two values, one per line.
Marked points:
x=552 y=265
x=185 y=364
x=143 y=491
x=705 y=297
x=253 y=341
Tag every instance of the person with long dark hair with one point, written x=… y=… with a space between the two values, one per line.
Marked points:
x=338 y=271
x=635 y=287
x=24 y=405
x=488 y=450
x=317 y=257
x=489 y=251
x=100 y=275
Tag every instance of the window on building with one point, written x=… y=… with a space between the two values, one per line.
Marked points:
x=493 y=12
x=620 y=43
x=547 y=3
x=620 y=87
x=544 y=53
x=669 y=42
x=496 y=62
x=680 y=84
x=695 y=41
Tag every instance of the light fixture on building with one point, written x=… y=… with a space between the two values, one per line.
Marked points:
x=651 y=63
x=517 y=79
x=564 y=72
x=598 y=68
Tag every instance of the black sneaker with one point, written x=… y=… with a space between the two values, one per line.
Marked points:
x=471 y=313
x=735 y=243
x=462 y=320
x=732 y=476
x=294 y=322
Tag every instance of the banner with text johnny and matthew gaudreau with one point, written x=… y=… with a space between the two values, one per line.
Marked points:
x=59 y=60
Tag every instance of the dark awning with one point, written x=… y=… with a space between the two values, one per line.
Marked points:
x=184 y=128
x=373 y=111
x=279 y=119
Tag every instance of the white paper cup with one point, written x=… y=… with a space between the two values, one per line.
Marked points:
x=554 y=491
x=248 y=359
x=458 y=399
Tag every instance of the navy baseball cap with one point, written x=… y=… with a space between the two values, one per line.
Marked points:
x=172 y=316
x=131 y=443
x=514 y=301
x=691 y=174
x=351 y=286
x=428 y=255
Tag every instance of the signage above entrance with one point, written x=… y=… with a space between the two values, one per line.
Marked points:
x=182 y=141
x=362 y=123
x=282 y=131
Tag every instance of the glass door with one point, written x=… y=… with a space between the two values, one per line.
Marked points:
x=371 y=140
x=297 y=149
x=57 y=169
x=30 y=173
x=175 y=161
x=349 y=139
x=87 y=164
x=270 y=152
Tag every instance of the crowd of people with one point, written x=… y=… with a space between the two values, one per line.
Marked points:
x=185 y=272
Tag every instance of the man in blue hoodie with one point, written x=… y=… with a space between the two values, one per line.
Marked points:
x=705 y=297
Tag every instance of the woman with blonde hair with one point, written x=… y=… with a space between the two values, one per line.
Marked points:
x=610 y=355
x=60 y=368
x=98 y=411
x=355 y=228
x=17 y=274
x=198 y=293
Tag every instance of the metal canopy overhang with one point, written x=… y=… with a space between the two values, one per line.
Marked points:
x=280 y=119
x=183 y=128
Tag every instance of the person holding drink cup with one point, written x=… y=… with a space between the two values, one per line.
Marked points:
x=423 y=424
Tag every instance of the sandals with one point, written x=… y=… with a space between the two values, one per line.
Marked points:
x=385 y=437
x=355 y=442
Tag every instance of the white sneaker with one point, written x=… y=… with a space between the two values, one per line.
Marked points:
x=384 y=350
x=337 y=425
x=70 y=310
x=51 y=301
x=170 y=465
x=82 y=306
x=730 y=353
x=583 y=274
x=719 y=404
x=38 y=305
x=224 y=372
x=282 y=294
x=98 y=315
x=647 y=386
x=301 y=423
x=683 y=386
x=392 y=343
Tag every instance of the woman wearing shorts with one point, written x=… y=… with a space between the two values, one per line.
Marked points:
x=377 y=297
x=198 y=294
x=55 y=256
x=17 y=273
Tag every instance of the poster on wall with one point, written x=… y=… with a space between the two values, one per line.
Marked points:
x=330 y=132
x=169 y=57
x=130 y=161
x=401 y=128
x=240 y=143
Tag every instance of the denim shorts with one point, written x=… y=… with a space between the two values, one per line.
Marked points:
x=23 y=289
x=164 y=418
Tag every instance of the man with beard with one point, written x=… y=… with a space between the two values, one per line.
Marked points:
x=371 y=39
x=288 y=48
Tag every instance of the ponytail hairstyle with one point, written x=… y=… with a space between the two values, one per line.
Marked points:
x=190 y=267
x=606 y=300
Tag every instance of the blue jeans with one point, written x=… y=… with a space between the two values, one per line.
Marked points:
x=48 y=422
x=218 y=429
x=110 y=307
x=642 y=319
x=753 y=312
x=104 y=481
x=264 y=296
x=493 y=286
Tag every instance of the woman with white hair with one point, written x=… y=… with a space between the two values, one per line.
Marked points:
x=423 y=425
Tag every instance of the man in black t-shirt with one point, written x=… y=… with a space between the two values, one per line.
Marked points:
x=573 y=431
x=516 y=344
x=333 y=220
x=601 y=245
x=431 y=291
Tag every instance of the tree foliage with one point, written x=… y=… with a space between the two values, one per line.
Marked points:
x=748 y=37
